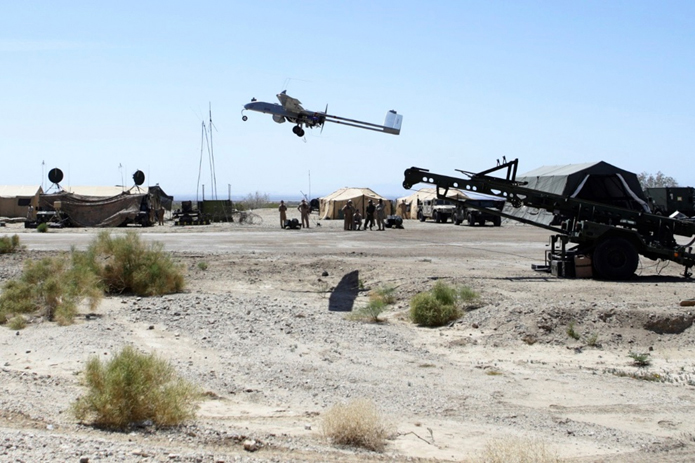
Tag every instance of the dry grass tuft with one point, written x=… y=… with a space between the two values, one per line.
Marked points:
x=517 y=450
x=355 y=424
x=134 y=388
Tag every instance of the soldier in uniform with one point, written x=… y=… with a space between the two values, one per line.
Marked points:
x=403 y=209
x=348 y=210
x=357 y=220
x=304 y=210
x=283 y=214
x=380 y=215
x=369 y=218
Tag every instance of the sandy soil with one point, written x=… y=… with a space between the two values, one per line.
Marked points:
x=264 y=331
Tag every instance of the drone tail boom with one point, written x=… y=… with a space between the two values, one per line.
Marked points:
x=392 y=124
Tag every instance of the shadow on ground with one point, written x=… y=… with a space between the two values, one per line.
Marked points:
x=343 y=296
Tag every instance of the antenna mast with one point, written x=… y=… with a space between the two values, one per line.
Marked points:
x=213 y=176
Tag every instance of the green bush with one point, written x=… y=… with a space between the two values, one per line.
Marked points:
x=370 y=312
x=9 y=244
x=52 y=287
x=386 y=294
x=132 y=388
x=440 y=305
x=640 y=359
x=55 y=286
x=127 y=265
x=571 y=332
x=17 y=323
x=427 y=310
x=379 y=299
x=42 y=227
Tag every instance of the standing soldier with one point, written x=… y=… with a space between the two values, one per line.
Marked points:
x=380 y=215
x=369 y=218
x=402 y=209
x=283 y=214
x=304 y=210
x=348 y=210
x=160 y=215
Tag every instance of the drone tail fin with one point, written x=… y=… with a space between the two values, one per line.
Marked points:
x=392 y=123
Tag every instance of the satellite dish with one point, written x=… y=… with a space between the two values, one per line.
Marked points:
x=55 y=175
x=138 y=177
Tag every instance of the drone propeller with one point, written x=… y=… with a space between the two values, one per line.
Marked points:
x=324 y=119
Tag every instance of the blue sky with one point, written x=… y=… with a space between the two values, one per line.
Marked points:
x=91 y=86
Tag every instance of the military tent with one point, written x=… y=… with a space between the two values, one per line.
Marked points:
x=330 y=206
x=99 y=211
x=598 y=182
x=15 y=201
x=96 y=191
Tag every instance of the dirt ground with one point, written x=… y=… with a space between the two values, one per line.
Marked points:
x=263 y=330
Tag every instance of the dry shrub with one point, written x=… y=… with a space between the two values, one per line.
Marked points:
x=133 y=388
x=356 y=424
x=379 y=299
x=127 y=265
x=517 y=450
x=51 y=286
x=9 y=244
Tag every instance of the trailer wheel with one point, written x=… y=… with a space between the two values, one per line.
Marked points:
x=615 y=259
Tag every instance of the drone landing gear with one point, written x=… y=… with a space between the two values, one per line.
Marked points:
x=298 y=131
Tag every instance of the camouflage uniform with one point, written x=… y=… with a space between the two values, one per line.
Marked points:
x=304 y=210
x=348 y=210
x=283 y=214
x=380 y=215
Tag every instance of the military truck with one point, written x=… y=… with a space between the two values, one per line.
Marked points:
x=667 y=200
x=439 y=210
x=474 y=211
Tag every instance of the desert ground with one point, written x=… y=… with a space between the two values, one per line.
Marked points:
x=264 y=332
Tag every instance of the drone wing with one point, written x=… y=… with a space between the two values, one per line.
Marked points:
x=290 y=104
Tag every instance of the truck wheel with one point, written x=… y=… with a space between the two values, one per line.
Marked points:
x=615 y=259
x=497 y=221
x=471 y=220
x=420 y=217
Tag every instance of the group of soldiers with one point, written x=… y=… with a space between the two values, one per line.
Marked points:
x=375 y=214
x=304 y=211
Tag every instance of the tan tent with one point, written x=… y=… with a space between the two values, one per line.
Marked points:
x=16 y=200
x=330 y=206
x=423 y=194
